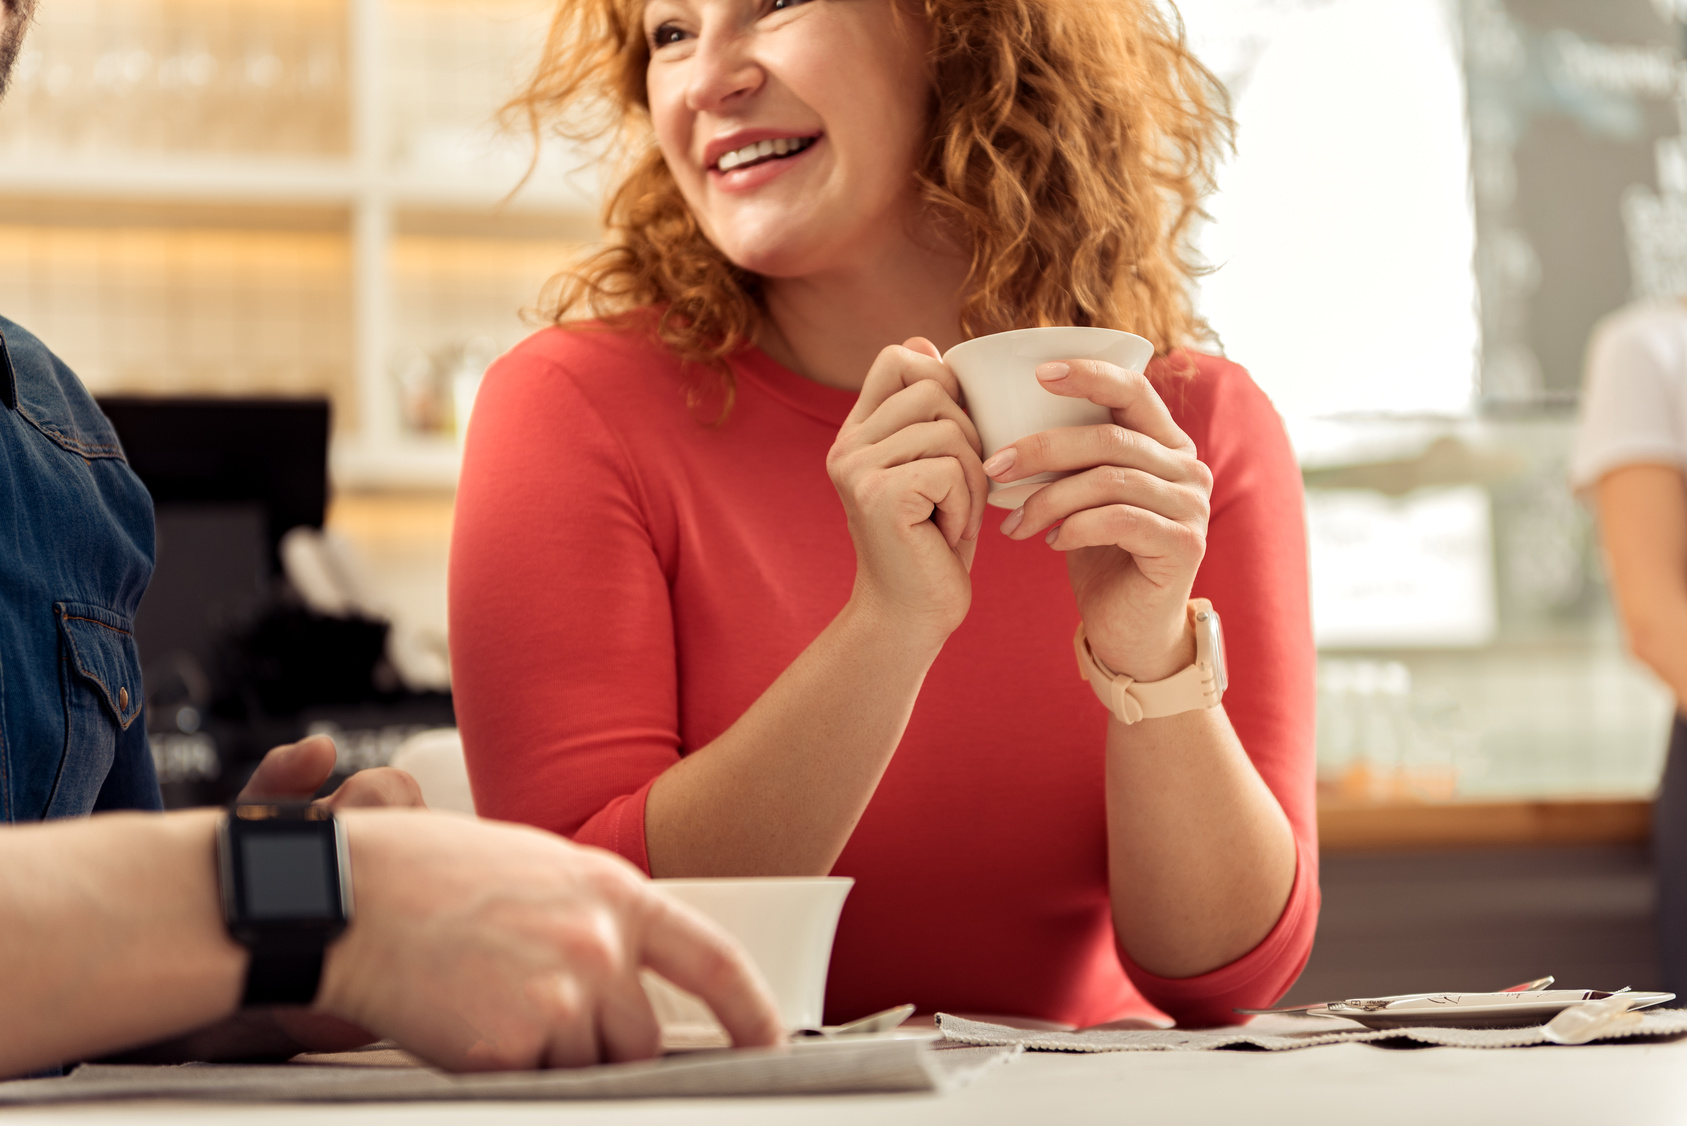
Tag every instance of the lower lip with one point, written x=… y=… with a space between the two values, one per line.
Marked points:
x=745 y=179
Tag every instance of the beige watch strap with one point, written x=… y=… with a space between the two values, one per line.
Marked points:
x=1130 y=701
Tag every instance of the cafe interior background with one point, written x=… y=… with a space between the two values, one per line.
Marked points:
x=276 y=204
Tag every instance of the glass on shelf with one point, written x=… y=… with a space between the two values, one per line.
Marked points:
x=1376 y=740
x=452 y=65
x=436 y=388
x=458 y=305
x=160 y=310
x=208 y=77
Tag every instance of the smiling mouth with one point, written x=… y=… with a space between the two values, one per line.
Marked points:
x=760 y=152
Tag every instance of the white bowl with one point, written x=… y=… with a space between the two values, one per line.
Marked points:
x=785 y=923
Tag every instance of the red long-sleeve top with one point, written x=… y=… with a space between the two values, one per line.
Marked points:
x=627 y=579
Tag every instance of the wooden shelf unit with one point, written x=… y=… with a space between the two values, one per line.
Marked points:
x=375 y=201
x=1345 y=826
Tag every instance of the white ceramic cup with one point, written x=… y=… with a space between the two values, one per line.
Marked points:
x=785 y=923
x=1007 y=402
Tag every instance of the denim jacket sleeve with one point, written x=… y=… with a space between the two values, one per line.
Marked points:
x=76 y=551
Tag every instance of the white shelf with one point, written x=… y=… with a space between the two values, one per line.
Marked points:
x=446 y=191
x=187 y=179
x=375 y=188
x=405 y=463
x=192 y=179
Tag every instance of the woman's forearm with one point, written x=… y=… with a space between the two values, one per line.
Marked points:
x=779 y=793
x=1201 y=856
x=114 y=934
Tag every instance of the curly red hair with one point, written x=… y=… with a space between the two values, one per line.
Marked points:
x=1070 y=146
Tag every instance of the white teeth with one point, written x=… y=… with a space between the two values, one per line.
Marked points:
x=761 y=150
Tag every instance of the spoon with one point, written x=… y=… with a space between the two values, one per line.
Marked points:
x=1583 y=1024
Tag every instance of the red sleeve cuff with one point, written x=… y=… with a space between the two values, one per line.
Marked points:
x=1253 y=981
x=619 y=827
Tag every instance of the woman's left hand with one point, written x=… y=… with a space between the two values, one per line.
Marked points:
x=1132 y=519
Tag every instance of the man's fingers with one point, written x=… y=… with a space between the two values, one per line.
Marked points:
x=573 y=1039
x=293 y=772
x=320 y=1032
x=626 y=1025
x=378 y=786
x=691 y=953
x=1131 y=396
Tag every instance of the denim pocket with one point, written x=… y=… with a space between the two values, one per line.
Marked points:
x=100 y=674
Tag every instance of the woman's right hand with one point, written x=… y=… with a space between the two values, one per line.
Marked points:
x=908 y=466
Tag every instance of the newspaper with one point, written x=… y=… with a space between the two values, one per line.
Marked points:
x=804 y=1068
x=1281 y=1034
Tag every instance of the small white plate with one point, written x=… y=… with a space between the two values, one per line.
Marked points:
x=1472 y=1010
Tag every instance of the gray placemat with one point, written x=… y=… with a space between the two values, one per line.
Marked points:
x=821 y=1067
x=1654 y=1024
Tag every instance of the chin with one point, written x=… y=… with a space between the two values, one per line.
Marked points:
x=785 y=254
x=771 y=262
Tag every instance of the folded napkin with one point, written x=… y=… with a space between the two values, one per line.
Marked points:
x=809 y=1068
x=1281 y=1034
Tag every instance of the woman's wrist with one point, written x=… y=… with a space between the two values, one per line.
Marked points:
x=1144 y=660
x=883 y=628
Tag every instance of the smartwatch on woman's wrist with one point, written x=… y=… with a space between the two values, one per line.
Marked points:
x=1200 y=685
x=286 y=887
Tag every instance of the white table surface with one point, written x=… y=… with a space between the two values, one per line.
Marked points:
x=1620 y=1084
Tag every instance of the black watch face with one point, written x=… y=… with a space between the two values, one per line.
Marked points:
x=286 y=872
x=286 y=876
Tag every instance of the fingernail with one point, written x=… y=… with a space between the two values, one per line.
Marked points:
x=1053 y=372
x=1014 y=520
x=1053 y=532
x=1002 y=461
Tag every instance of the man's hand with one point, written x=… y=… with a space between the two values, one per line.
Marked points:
x=296 y=771
x=480 y=945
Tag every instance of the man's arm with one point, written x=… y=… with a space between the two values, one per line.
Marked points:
x=114 y=932
x=1643 y=523
x=293 y=772
x=475 y=945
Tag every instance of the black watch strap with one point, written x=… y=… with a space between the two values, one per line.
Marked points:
x=282 y=974
x=286 y=884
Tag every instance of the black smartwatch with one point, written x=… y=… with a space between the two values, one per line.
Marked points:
x=286 y=881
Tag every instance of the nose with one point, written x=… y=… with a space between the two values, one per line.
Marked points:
x=724 y=70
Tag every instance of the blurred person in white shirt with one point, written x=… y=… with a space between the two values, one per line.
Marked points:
x=1630 y=458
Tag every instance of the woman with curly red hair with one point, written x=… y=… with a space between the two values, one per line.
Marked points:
x=723 y=599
